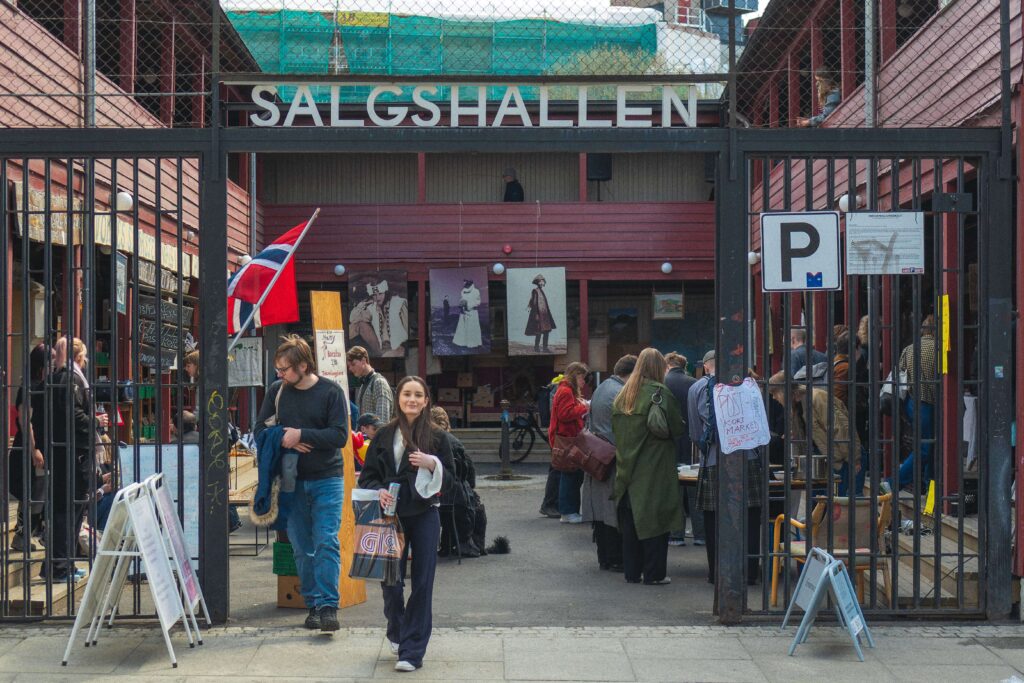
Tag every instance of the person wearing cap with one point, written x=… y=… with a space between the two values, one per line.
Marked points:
x=513 y=190
x=701 y=425
x=368 y=424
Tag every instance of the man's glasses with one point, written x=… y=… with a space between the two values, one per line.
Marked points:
x=283 y=370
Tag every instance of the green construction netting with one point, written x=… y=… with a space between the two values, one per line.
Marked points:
x=377 y=44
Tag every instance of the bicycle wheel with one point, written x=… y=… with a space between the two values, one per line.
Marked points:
x=520 y=443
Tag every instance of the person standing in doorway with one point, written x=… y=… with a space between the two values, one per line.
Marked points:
x=920 y=362
x=598 y=503
x=413 y=452
x=26 y=462
x=539 y=322
x=313 y=413
x=374 y=393
x=679 y=382
x=568 y=407
x=513 y=190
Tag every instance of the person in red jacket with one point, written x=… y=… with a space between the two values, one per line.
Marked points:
x=568 y=407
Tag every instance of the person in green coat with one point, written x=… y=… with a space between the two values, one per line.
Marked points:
x=646 y=480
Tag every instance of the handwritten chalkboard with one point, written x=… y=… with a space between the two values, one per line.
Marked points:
x=168 y=310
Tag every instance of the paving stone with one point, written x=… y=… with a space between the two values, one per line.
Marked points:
x=683 y=647
x=339 y=655
x=703 y=670
x=216 y=656
x=43 y=654
x=806 y=668
x=444 y=671
x=563 y=659
x=930 y=673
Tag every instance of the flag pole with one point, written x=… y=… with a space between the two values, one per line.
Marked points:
x=273 y=281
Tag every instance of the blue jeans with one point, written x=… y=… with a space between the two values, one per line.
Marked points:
x=926 y=413
x=858 y=478
x=313 y=524
x=569 y=492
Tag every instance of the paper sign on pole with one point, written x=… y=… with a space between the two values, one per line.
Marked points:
x=741 y=418
x=885 y=243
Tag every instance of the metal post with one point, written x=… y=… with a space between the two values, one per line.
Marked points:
x=731 y=358
x=869 y=64
x=506 y=466
x=89 y=63
x=252 y=250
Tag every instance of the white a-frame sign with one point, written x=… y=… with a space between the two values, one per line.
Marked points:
x=142 y=525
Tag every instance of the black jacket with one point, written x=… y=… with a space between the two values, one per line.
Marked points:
x=78 y=403
x=379 y=470
x=679 y=383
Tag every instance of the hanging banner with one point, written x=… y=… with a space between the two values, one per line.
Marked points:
x=536 y=311
x=379 y=320
x=460 y=319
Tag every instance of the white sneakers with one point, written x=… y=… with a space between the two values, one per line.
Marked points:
x=394 y=647
x=404 y=666
x=574 y=518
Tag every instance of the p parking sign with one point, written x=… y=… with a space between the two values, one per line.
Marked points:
x=800 y=251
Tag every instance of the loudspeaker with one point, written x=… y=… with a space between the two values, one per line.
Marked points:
x=599 y=167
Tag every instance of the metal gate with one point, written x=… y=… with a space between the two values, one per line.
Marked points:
x=882 y=396
x=98 y=315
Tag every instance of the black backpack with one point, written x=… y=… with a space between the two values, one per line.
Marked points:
x=710 y=436
x=544 y=395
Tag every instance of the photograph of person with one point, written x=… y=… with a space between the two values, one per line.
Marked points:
x=379 y=312
x=536 y=311
x=459 y=311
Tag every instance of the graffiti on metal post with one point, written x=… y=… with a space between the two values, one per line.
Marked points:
x=216 y=447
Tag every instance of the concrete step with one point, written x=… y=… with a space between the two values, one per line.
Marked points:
x=483 y=445
x=35 y=603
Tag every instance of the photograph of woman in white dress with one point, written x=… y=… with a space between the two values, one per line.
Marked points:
x=459 y=312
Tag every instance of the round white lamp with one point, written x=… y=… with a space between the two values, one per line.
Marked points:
x=666 y=267
x=845 y=203
x=498 y=268
x=339 y=270
x=753 y=258
x=124 y=201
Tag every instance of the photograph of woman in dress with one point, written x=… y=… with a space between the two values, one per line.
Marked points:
x=459 y=311
x=536 y=310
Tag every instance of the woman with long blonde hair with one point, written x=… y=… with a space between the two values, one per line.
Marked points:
x=646 y=482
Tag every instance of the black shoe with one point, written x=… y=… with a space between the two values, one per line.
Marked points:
x=312 y=619
x=551 y=512
x=632 y=580
x=469 y=550
x=329 y=619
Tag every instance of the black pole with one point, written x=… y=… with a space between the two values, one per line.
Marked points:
x=506 y=465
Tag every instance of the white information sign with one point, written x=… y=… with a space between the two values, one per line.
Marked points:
x=330 y=357
x=154 y=556
x=741 y=417
x=172 y=527
x=245 y=363
x=800 y=251
x=169 y=468
x=885 y=243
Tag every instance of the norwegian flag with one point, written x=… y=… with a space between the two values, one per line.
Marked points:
x=267 y=284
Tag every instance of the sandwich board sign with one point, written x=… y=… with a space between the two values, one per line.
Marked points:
x=800 y=251
x=825 y=577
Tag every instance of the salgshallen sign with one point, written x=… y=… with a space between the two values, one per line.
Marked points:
x=473 y=106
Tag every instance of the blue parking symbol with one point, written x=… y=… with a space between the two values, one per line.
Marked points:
x=815 y=281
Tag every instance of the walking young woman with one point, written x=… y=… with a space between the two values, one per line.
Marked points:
x=646 y=481
x=568 y=407
x=413 y=452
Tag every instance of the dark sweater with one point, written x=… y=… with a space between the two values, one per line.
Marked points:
x=379 y=470
x=321 y=413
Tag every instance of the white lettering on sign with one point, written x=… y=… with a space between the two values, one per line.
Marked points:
x=800 y=251
x=402 y=108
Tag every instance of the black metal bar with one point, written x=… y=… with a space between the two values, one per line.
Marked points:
x=995 y=272
x=213 y=387
x=731 y=361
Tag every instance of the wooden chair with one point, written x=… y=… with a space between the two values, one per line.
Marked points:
x=865 y=525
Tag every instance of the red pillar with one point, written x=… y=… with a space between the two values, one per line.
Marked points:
x=848 y=46
x=793 y=76
x=167 y=76
x=773 y=104
x=951 y=400
x=421 y=322
x=584 y=322
x=817 y=57
x=887 y=28
x=128 y=46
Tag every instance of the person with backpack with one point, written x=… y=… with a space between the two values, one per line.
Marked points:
x=704 y=432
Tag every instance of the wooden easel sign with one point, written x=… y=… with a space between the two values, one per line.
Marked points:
x=823 y=577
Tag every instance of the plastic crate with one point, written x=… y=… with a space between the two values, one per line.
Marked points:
x=284 y=560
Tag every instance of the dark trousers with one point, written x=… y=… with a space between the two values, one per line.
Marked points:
x=68 y=514
x=753 y=542
x=409 y=623
x=551 y=489
x=648 y=556
x=609 y=545
x=569 y=492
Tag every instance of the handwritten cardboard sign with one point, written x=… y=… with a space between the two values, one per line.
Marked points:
x=330 y=356
x=741 y=417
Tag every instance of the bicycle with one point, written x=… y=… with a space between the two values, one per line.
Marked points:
x=524 y=432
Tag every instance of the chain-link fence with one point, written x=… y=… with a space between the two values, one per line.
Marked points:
x=800 y=63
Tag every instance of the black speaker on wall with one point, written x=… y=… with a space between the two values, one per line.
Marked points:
x=599 y=167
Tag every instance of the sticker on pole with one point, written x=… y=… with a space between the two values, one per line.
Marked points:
x=885 y=243
x=800 y=251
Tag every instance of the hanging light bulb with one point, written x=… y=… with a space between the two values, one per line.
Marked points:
x=124 y=201
x=498 y=268
x=905 y=9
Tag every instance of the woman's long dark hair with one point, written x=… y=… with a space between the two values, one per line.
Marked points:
x=39 y=363
x=419 y=434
